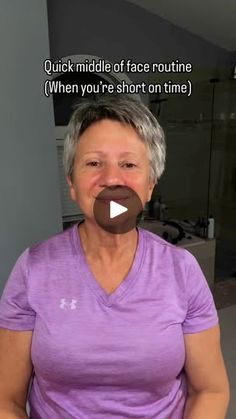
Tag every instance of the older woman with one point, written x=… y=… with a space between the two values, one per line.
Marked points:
x=110 y=324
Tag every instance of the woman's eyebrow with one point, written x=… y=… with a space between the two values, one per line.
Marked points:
x=124 y=153
x=128 y=153
x=95 y=151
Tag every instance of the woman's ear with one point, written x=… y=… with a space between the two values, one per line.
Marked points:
x=71 y=187
x=151 y=186
x=69 y=181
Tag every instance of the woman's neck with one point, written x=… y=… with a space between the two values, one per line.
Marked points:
x=106 y=246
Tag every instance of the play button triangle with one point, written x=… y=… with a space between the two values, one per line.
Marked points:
x=116 y=209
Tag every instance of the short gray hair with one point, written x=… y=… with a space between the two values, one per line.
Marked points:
x=125 y=110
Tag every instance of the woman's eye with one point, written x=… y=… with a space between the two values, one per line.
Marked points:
x=129 y=165
x=93 y=163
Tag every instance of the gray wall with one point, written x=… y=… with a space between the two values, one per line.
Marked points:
x=29 y=194
x=117 y=29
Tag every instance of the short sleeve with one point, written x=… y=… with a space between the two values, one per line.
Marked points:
x=15 y=310
x=201 y=309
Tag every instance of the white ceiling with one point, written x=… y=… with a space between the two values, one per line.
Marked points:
x=213 y=20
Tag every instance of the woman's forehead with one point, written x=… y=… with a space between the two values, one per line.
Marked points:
x=113 y=132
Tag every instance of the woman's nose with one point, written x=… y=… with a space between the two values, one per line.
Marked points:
x=112 y=175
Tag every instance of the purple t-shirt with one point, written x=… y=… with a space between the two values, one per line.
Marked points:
x=97 y=355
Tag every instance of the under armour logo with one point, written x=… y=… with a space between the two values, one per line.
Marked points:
x=68 y=304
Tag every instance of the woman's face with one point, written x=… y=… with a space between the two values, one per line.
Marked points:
x=109 y=153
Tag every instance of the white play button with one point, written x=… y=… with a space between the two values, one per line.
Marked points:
x=116 y=209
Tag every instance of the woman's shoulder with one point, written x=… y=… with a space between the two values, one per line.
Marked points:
x=56 y=245
x=159 y=242
x=166 y=250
